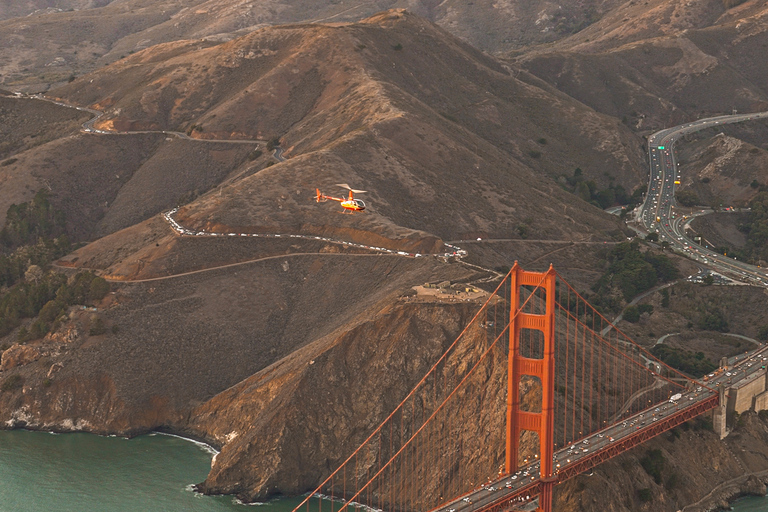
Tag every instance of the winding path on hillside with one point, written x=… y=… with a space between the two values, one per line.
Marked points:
x=452 y=250
x=238 y=264
x=88 y=126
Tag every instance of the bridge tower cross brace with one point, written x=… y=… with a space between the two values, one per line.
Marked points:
x=518 y=365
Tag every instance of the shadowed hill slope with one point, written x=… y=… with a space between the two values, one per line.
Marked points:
x=107 y=183
x=661 y=65
x=387 y=105
x=99 y=32
x=448 y=143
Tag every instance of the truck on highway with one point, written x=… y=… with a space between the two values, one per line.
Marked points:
x=674 y=398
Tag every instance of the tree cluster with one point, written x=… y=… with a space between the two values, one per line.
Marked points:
x=755 y=227
x=653 y=464
x=656 y=466
x=47 y=299
x=26 y=223
x=589 y=191
x=714 y=320
x=633 y=313
x=692 y=363
x=687 y=198
x=629 y=273
x=31 y=238
x=33 y=235
x=13 y=266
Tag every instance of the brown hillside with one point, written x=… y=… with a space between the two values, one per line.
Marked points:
x=448 y=143
x=99 y=32
x=721 y=170
x=387 y=105
x=181 y=341
x=664 y=65
x=18 y=8
x=106 y=183
x=25 y=124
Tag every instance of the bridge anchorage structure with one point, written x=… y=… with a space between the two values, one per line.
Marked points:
x=528 y=395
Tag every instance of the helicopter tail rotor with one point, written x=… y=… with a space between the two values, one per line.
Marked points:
x=320 y=197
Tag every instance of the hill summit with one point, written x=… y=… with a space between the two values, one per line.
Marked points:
x=447 y=142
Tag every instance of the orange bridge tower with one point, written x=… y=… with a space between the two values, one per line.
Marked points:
x=539 y=363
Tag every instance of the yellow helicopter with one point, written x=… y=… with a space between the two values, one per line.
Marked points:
x=349 y=204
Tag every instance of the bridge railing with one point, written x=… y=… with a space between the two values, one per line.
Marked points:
x=447 y=436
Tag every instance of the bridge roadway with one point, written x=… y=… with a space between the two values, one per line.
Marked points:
x=657 y=212
x=521 y=487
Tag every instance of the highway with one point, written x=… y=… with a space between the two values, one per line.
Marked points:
x=658 y=214
x=521 y=486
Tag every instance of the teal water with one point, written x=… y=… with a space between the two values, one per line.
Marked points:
x=84 y=473
x=751 y=504
x=87 y=473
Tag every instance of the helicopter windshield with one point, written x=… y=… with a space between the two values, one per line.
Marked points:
x=359 y=203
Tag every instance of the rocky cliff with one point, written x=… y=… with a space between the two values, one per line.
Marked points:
x=692 y=471
x=283 y=429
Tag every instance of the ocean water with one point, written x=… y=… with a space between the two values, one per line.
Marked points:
x=82 y=472
x=42 y=472
x=751 y=504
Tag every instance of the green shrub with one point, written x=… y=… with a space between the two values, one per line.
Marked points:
x=26 y=223
x=97 y=327
x=645 y=308
x=692 y=363
x=732 y=3
x=11 y=383
x=713 y=321
x=23 y=335
x=703 y=423
x=687 y=198
x=644 y=495
x=98 y=289
x=449 y=117
x=671 y=481
x=653 y=464
x=632 y=314
x=631 y=272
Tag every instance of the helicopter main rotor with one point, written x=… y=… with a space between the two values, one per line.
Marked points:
x=344 y=185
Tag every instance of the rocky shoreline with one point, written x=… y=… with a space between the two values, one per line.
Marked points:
x=725 y=494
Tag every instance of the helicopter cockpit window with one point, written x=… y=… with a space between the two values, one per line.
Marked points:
x=359 y=203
